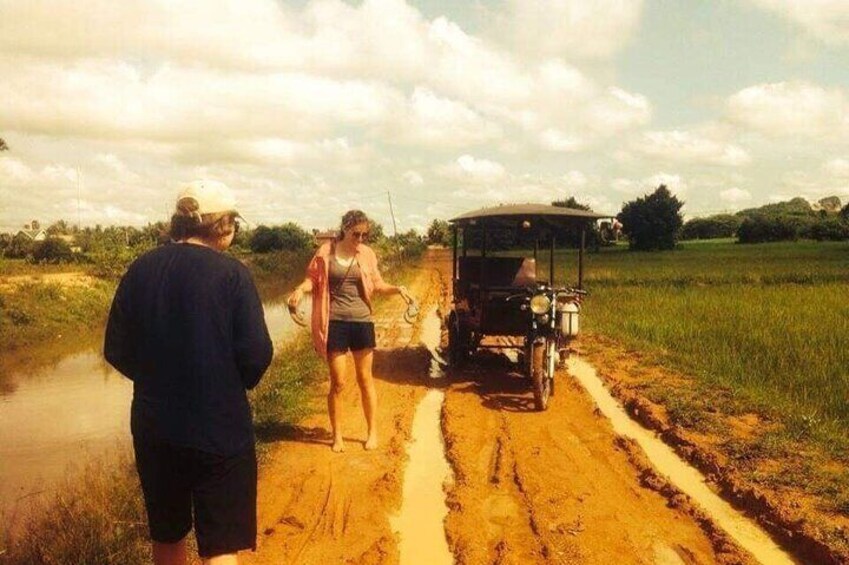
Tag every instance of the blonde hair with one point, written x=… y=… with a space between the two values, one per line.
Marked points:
x=187 y=222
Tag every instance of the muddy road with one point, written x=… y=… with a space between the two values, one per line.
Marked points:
x=525 y=487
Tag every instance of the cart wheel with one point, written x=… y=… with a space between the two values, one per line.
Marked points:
x=458 y=349
x=541 y=382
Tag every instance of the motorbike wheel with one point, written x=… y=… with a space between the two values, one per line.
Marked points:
x=541 y=382
x=551 y=357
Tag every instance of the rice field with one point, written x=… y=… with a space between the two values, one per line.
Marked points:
x=768 y=322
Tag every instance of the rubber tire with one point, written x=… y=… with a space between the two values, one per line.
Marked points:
x=458 y=351
x=541 y=382
x=553 y=355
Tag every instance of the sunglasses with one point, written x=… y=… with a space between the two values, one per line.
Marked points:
x=359 y=234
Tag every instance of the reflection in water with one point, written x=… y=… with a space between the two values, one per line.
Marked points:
x=66 y=412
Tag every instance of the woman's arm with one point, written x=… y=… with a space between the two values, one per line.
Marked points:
x=297 y=294
x=383 y=287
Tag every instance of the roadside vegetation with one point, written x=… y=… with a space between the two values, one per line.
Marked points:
x=770 y=322
x=97 y=515
x=746 y=347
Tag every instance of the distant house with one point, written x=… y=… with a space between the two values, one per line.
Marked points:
x=33 y=235
x=71 y=241
x=322 y=236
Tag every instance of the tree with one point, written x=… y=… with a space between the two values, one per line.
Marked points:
x=52 y=250
x=439 y=233
x=572 y=237
x=720 y=225
x=652 y=222
x=571 y=202
x=19 y=247
x=288 y=237
x=758 y=229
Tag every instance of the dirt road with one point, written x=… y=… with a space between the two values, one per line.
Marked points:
x=529 y=487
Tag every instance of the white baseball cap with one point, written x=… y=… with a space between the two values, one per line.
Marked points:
x=212 y=196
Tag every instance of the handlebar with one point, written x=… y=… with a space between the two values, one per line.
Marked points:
x=529 y=291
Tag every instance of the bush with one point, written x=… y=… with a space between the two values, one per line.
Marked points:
x=439 y=233
x=288 y=237
x=712 y=227
x=52 y=250
x=652 y=222
x=110 y=262
x=830 y=229
x=759 y=229
x=19 y=247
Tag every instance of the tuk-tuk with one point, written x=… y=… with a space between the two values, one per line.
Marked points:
x=500 y=289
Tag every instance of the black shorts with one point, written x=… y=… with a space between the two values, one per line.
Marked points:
x=342 y=336
x=222 y=490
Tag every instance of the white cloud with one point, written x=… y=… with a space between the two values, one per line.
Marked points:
x=569 y=27
x=555 y=140
x=690 y=147
x=435 y=121
x=735 y=195
x=619 y=110
x=470 y=169
x=791 y=109
x=633 y=188
x=575 y=179
x=837 y=167
x=328 y=98
x=413 y=178
x=826 y=20
x=115 y=100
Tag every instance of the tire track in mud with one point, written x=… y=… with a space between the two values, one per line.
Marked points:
x=319 y=507
x=556 y=486
x=529 y=487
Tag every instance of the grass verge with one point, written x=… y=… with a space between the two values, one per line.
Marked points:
x=742 y=350
x=97 y=515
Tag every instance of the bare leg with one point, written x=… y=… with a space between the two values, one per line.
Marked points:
x=363 y=361
x=228 y=559
x=337 y=362
x=170 y=553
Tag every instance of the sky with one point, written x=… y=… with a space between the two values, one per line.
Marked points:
x=309 y=108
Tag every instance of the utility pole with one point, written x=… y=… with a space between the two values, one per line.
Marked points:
x=78 y=198
x=392 y=213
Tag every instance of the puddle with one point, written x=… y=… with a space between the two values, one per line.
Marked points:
x=690 y=481
x=421 y=521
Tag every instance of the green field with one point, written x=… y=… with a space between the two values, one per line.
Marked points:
x=768 y=322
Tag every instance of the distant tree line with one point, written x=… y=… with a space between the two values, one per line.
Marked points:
x=781 y=221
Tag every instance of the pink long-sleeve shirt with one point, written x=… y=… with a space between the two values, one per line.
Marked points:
x=318 y=272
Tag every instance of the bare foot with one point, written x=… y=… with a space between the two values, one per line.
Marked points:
x=338 y=446
x=371 y=443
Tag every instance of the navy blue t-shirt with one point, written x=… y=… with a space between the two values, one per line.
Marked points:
x=187 y=327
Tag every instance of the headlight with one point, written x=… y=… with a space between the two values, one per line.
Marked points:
x=540 y=304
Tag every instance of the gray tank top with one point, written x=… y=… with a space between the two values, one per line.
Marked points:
x=346 y=295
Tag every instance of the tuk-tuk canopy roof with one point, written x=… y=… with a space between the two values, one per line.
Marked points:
x=510 y=213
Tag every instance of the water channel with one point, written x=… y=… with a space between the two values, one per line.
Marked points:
x=67 y=413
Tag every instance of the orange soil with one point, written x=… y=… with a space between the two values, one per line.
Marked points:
x=529 y=487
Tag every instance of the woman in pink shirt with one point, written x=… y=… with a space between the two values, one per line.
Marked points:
x=342 y=277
